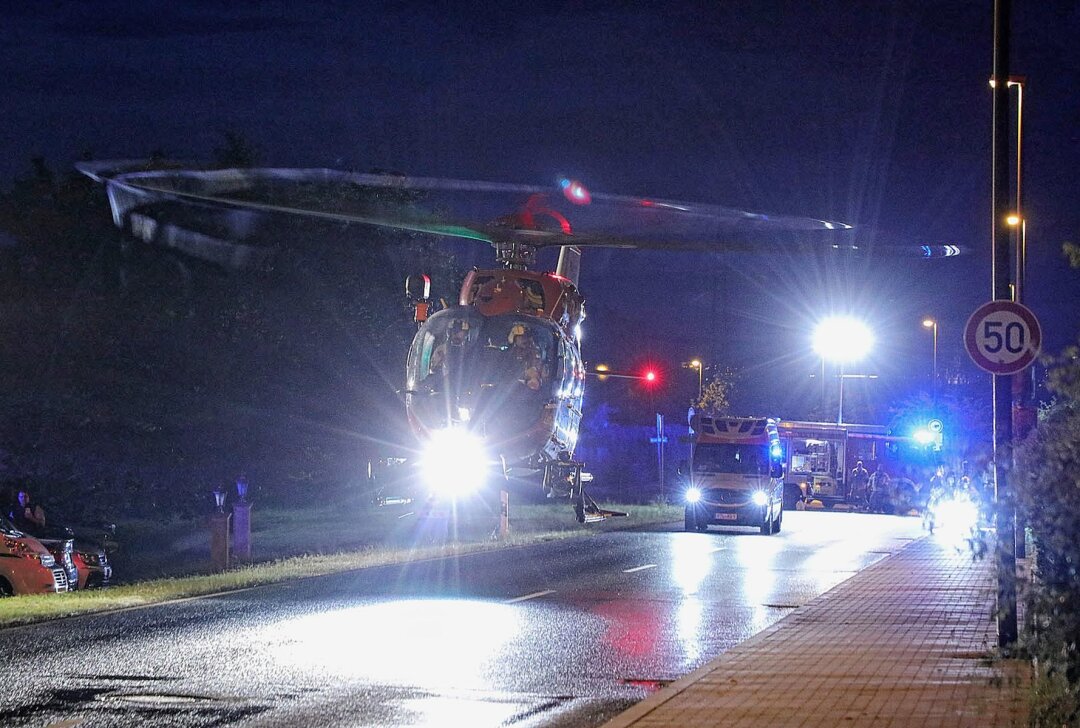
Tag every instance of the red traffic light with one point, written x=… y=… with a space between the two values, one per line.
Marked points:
x=649 y=377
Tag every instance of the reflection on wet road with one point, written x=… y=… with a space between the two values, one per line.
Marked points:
x=564 y=633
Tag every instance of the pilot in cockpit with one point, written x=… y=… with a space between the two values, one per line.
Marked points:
x=456 y=336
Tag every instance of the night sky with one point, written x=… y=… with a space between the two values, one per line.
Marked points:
x=877 y=114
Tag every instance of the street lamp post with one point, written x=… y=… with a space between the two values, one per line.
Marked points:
x=840 y=417
x=933 y=324
x=696 y=364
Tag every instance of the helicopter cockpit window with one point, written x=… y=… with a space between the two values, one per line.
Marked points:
x=478 y=353
x=441 y=346
x=451 y=344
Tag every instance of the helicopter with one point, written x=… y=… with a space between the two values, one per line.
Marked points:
x=496 y=381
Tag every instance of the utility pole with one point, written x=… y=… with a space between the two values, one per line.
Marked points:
x=1002 y=385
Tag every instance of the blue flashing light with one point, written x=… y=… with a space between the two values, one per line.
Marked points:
x=776 y=451
x=923 y=436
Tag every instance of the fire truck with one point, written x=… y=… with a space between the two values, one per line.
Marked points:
x=818 y=458
x=735 y=474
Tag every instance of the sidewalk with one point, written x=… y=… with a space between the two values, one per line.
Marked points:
x=910 y=641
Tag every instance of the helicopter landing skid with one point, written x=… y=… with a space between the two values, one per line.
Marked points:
x=564 y=479
x=592 y=513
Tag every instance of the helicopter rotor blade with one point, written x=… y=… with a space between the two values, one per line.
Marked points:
x=566 y=215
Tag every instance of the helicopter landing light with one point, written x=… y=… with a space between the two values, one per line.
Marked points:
x=454 y=462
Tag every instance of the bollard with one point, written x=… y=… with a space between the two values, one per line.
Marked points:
x=241 y=515
x=219 y=541
x=504 y=513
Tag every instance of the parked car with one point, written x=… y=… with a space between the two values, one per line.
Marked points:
x=93 y=565
x=26 y=566
x=84 y=559
x=61 y=544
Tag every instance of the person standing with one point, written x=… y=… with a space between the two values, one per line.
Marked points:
x=857 y=482
x=28 y=513
x=878 y=495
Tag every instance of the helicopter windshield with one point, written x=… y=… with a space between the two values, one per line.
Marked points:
x=469 y=366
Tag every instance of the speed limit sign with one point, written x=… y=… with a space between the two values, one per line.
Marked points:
x=1003 y=337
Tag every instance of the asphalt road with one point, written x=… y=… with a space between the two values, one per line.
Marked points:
x=563 y=633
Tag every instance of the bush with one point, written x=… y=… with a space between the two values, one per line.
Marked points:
x=1048 y=487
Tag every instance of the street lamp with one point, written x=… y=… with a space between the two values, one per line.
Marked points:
x=695 y=364
x=1016 y=219
x=842 y=340
x=932 y=324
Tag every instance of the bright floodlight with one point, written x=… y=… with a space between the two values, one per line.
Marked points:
x=923 y=436
x=842 y=339
x=454 y=462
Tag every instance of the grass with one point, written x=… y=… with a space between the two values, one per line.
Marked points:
x=313 y=542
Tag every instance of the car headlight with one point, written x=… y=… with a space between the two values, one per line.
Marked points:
x=454 y=462
x=45 y=560
x=693 y=495
x=760 y=497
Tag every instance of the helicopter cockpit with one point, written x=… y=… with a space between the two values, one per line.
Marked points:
x=495 y=375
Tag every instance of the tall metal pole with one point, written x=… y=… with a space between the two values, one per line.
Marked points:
x=935 y=356
x=840 y=413
x=1006 y=537
x=1023 y=411
x=1021 y=241
x=824 y=402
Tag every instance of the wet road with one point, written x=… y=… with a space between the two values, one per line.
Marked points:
x=563 y=633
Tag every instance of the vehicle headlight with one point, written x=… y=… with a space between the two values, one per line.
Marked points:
x=454 y=462
x=957 y=514
x=693 y=495
x=760 y=497
x=46 y=560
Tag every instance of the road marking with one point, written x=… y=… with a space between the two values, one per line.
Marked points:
x=534 y=595
x=69 y=723
x=639 y=568
x=718 y=548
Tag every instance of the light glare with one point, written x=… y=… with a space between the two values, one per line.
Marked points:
x=454 y=462
x=923 y=436
x=843 y=339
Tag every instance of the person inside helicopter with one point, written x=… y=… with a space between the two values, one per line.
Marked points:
x=527 y=358
x=452 y=345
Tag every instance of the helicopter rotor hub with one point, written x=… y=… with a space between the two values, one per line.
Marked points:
x=515 y=255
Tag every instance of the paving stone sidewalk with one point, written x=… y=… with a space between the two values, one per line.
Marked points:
x=909 y=641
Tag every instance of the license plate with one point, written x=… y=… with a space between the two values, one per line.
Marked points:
x=722 y=516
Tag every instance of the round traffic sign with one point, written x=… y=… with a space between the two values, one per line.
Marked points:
x=1002 y=337
x=935 y=426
